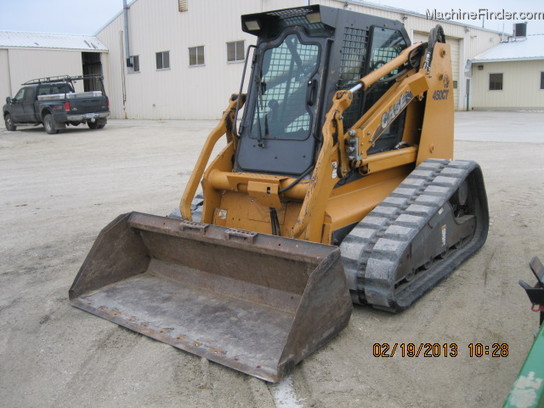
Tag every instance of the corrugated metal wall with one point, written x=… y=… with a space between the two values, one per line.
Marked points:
x=113 y=67
x=521 y=85
x=182 y=91
x=456 y=64
x=5 y=81
x=466 y=42
x=202 y=92
x=19 y=65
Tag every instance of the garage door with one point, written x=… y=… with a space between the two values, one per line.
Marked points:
x=455 y=55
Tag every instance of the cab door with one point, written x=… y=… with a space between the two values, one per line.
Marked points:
x=16 y=106
x=280 y=129
x=28 y=104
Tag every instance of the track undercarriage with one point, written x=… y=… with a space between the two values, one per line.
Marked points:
x=431 y=223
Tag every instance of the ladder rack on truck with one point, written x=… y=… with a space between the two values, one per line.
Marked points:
x=62 y=78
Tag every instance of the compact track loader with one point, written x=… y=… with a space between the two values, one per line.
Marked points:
x=337 y=186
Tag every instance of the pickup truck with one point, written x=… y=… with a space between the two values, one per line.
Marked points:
x=54 y=103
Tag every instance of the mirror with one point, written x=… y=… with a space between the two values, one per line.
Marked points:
x=8 y=100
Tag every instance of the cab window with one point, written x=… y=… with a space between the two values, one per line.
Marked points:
x=20 y=95
x=54 y=89
x=281 y=111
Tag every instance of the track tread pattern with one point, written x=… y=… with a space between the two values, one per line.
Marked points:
x=371 y=252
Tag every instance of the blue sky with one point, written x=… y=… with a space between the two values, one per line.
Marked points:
x=89 y=16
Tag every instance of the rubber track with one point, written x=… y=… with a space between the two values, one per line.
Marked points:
x=371 y=252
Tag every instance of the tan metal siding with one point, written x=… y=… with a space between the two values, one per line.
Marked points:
x=521 y=86
x=457 y=66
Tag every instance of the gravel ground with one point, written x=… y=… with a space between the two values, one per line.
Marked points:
x=58 y=191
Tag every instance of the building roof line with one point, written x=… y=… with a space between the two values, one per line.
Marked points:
x=357 y=3
x=514 y=59
x=115 y=17
x=45 y=33
x=416 y=14
x=34 y=40
x=530 y=48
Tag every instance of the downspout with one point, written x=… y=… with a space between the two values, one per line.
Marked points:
x=468 y=82
x=127 y=61
x=127 y=44
x=123 y=76
x=9 y=73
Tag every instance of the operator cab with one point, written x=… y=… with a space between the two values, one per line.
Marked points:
x=302 y=57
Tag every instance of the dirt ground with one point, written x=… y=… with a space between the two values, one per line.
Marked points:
x=58 y=191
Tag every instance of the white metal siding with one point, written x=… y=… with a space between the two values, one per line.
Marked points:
x=521 y=86
x=184 y=92
x=5 y=84
x=26 y=64
x=113 y=66
x=198 y=92
x=466 y=42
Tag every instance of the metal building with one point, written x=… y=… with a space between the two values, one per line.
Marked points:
x=509 y=76
x=25 y=56
x=182 y=59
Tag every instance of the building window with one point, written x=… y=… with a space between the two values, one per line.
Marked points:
x=196 y=55
x=542 y=80
x=235 y=51
x=495 y=82
x=183 y=5
x=163 y=59
x=134 y=63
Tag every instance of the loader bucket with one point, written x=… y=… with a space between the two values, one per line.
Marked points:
x=253 y=302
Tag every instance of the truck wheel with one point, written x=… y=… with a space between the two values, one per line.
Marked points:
x=49 y=125
x=9 y=123
x=98 y=124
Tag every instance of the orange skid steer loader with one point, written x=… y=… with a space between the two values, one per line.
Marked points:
x=338 y=186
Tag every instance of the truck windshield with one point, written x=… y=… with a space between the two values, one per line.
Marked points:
x=281 y=110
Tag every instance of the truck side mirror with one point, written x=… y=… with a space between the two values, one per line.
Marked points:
x=8 y=100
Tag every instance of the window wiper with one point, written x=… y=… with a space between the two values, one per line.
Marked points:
x=266 y=129
x=261 y=89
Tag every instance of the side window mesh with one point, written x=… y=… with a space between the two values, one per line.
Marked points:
x=352 y=65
